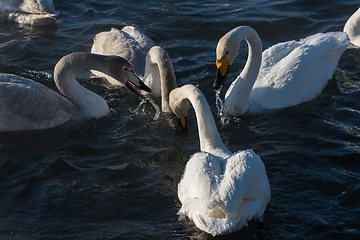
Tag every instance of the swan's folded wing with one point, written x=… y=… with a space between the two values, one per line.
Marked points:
x=244 y=180
x=123 y=44
x=199 y=181
x=302 y=74
x=144 y=41
x=113 y=42
x=30 y=105
x=274 y=54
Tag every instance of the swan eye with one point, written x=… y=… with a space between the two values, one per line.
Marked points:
x=125 y=69
x=227 y=52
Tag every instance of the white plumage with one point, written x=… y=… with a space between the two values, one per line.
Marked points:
x=33 y=12
x=352 y=28
x=219 y=191
x=28 y=105
x=150 y=62
x=284 y=75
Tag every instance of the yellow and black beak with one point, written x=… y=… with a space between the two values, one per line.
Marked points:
x=222 y=69
x=183 y=124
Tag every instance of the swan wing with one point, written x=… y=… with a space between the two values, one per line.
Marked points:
x=222 y=196
x=244 y=178
x=29 y=12
x=28 y=105
x=288 y=78
x=133 y=48
x=199 y=181
x=144 y=41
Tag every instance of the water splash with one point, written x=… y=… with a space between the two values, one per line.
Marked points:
x=39 y=74
x=157 y=114
x=135 y=112
x=224 y=117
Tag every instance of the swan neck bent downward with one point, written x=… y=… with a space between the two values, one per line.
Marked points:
x=90 y=104
x=253 y=63
x=237 y=96
x=160 y=75
x=210 y=141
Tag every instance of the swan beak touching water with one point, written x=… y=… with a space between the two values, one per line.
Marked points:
x=183 y=124
x=134 y=84
x=222 y=66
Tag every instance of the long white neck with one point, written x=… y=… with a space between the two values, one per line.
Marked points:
x=237 y=96
x=210 y=140
x=90 y=104
x=159 y=75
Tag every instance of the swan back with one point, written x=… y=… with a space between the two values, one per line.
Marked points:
x=210 y=141
x=222 y=195
x=37 y=6
x=150 y=62
x=129 y=43
x=352 y=28
x=28 y=105
x=297 y=71
x=34 y=12
x=28 y=6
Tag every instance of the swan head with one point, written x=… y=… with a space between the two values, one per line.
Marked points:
x=114 y=66
x=121 y=70
x=180 y=106
x=226 y=51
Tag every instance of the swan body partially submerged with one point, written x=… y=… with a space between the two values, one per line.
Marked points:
x=284 y=75
x=219 y=191
x=28 y=105
x=150 y=62
x=33 y=12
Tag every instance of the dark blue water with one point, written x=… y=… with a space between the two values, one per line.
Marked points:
x=116 y=178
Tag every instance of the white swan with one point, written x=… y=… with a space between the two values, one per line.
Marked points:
x=352 y=28
x=150 y=62
x=219 y=191
x=34 y=12
x=286 y=74
x=28 y=105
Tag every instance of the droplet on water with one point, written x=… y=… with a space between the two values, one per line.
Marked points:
x=157 y=114
x=224 y=117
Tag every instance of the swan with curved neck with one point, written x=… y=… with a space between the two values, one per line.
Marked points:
x=28 y=105
x=352 y=28
x=219 y=191
x=284 y=75
x=150 y=62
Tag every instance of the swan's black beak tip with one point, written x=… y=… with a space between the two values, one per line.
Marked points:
x=136 y=89
x=144 y=87
x=219 y=80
